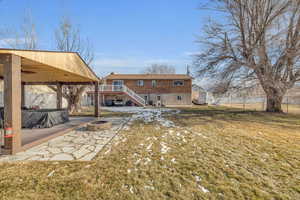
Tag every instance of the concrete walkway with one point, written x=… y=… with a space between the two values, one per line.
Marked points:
x=75 y=145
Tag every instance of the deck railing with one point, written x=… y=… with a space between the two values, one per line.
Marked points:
x=123 y=88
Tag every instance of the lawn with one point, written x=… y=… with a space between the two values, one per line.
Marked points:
x=212 y=153
x=89 y=111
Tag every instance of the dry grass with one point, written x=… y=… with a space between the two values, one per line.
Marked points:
x=89 y=111
x=214 y=153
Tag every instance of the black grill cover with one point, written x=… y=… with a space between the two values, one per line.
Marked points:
x=43 y=118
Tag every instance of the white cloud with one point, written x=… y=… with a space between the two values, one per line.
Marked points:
x=11 y=42
x=188 y=53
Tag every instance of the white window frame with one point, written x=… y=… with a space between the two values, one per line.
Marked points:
x=140 y=83
x=179 y=98
x=178 y=85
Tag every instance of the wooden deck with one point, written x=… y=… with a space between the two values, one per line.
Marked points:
x=33 y=137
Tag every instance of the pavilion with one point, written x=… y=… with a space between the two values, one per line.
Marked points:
x=33 y=67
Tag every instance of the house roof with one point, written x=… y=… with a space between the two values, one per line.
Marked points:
x=52 y=66
x=149 y=76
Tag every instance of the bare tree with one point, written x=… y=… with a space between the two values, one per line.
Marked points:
x=23 y=38
x=259 y=42
x=159 y=69
x=68 y=38
x=29 y=32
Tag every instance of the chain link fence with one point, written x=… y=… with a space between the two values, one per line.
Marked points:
x=290 y=104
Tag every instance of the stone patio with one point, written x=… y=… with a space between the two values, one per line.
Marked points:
x=76 y=145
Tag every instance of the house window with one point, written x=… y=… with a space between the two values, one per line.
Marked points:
x=179 y=98
x=158 y=98
x=140 y=83
x=118 y=82
x=154 y=83
x=146 y=98
x=178 y=83
x=117 y=85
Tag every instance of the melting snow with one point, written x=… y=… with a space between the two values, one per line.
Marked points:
x=198 y=179
x=149 y=147
x=147 y=161
x=203 y=189
x=164 y=148
x=137 y=162
x=131 y=189
x=146 y=114
x=51 y=173
x=149 y=187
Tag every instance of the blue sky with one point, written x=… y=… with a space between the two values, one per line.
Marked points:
x=127 y=35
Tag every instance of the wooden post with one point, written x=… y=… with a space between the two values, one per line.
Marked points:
x=287 y=104
x=103 y=99
x=96 y=101
x=23 y=100
x=12 y=100
x=59 y=96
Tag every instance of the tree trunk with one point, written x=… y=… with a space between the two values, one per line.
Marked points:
x=73 y=104
x=274 y=101
x=74 y=97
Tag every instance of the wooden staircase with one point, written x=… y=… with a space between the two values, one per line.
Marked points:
x=117 y=89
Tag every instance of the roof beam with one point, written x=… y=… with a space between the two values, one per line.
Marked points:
x=55 y=83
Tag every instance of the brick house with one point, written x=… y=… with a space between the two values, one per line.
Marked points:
x=147 y=89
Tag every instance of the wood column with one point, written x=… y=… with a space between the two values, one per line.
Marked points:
x=12 y=100
x=96 y=100
x=59 y=98
x=23 y=95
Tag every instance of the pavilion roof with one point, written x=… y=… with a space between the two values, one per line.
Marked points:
x=52 y=66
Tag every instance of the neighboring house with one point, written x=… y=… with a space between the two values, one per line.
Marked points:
x=201 y=96
x=147 y=89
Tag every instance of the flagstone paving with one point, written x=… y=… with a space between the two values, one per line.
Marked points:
x=79 y=144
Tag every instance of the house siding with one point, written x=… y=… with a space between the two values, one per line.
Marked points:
x=164 y=88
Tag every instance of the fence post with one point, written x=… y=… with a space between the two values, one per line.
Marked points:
x=287 y=104
x=244 y=103
x=263 y=103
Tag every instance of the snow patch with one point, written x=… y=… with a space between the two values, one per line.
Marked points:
x=147 y=187
x=149 y=147
x=51 y=173
x=148 y=160
x=203 y=189
x=164 y=148
x=137 y=162
x=147 y=114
